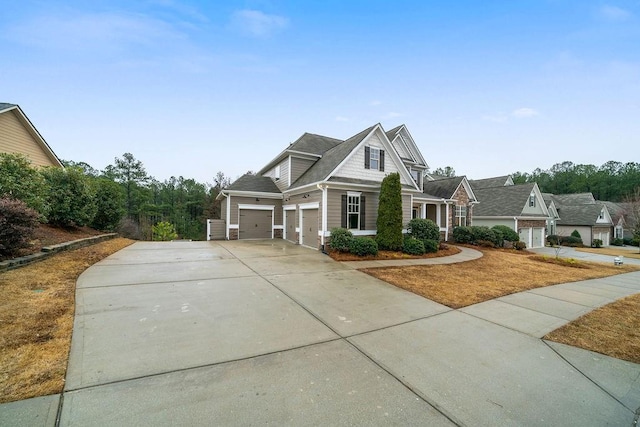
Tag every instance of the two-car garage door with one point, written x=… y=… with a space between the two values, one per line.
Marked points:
x=255 y=224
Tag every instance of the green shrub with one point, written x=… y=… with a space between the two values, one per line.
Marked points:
x=507 y=233
x=389 y=222
x=617 y=242
x=431 y=246
x=572 y=241
x=19 y=180
x=627 y=241
x=483 y=233
x=520 y=246
x=462 y=235
x=423 y=229
x=109 y=201
x=362 y=246
x=554 y=240
x=70 y=198
x=164 y=231
x=575 y=233
x=340 y=239
x=413 y=246
x=499 y=238
x=17 y=225
x=597 y=243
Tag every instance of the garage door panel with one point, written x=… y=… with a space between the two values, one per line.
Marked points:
x=255 y=224
x=310 y=227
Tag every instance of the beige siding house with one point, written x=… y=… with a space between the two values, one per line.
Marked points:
x=18 y=135
x=318 y=183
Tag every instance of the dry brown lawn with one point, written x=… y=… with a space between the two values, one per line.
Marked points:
x=36 y=320
x=497 y=273
x=612 y=251
x=613 y=330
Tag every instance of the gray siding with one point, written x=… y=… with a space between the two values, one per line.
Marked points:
x=235 y=201
x=299 y=167
x=334 y=212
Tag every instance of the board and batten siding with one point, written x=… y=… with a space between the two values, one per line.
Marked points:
x=299 y=167
x=15 y=138
x=354 y=167
x=236 y=200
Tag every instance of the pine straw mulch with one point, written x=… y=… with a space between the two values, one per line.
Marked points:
x=499 y=272
x=36 y=320
x=391 y=255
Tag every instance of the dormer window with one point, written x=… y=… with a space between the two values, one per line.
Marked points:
x=601 y=216
x=416 y=176
x=277 y=173
x=532 y=201
x=374 y=158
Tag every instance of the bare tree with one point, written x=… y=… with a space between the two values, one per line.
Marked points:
x=633 y=213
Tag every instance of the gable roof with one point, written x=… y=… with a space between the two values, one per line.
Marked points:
x=442 y=188
x=254 y=183
x=574 y=199
x=586 y=214
x=505 y=200
x=31 y=129
x=498 y=181
x=331 y=159
x=309 y=143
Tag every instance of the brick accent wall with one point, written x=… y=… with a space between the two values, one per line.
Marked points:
x=233 y=234
x=277 y=233
x=462 y=199
x=532 y=223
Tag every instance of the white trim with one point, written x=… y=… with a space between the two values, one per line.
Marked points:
x=354 y=193
x=228 y=196
x=289 y=207
x=289 y=173
x=278 y=227
x=357 y=232
x=325 y=198
x=234 y=227
x=257 y=207
x=237 y=193
x=310 y=205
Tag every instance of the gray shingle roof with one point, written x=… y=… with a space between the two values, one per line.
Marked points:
x=502 y=201
x=574 y=199
x=314 y=144
x=497 y=181
x=443 y=187
x=5 y=105
x=330 y=160
x=392 y=133
x=579 y=215
x=257 y=183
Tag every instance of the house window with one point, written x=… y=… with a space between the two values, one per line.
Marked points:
x=353 y=212
x=619 y=232
x=601 y=216
x=416 y=176
x=374 y=158
x=277 y=172
x=532 y=201
x=414 y=213
x=461 y=215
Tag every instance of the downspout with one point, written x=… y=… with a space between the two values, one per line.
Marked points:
x=228 y=221
x=324 y=190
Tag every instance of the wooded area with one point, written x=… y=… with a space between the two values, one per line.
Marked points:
x=613 y=181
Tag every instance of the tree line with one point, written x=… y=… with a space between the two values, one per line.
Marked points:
x=613 y=181
x=122 y=197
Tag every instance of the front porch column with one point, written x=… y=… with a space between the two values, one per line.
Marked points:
x=438 y=216
x=423 y=209
x=446 y=233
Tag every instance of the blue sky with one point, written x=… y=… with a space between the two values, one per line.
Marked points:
x=192 y=88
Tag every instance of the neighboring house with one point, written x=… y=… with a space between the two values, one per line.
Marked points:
x=18 y=135
x=318 y=183
x=552 y=221
x=498 y=181
x=592 y=221
x=520 y=207
x=450 y=202
x=622 y=223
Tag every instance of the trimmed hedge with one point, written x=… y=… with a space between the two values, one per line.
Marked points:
x=389 y=222
x=597 y=243
x=423 y=229
x=520 y=246
x=462 y=235
x=431 y=246
x=413 y=246
x=576 y=233
x=617 y=242
x=340 y=239
x=363 y=246
x=507 y=233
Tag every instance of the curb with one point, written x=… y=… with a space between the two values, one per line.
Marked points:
x=49 y=251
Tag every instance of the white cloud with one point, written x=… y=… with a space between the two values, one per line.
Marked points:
x=523 y=113
x=258 y=24
x=341 y=119
x=613 y=13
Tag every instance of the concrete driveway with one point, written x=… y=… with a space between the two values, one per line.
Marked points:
x=265 y=332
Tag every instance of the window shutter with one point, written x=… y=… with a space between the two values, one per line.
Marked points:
x=343 y=216
x=381 y=160
x=367 y=157
x=362 y=213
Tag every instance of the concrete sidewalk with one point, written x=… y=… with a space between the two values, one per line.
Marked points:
x=567 y=252
x=265 y=332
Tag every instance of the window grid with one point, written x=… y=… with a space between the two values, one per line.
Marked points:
x=353 y=212
x=461 y=215
x=374 y=158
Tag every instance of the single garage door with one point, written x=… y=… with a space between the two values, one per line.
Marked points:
x=309 y=227
x=538 y=238
x=525 y=236
x=255 y=224
x=604 y=236
x=291 y=225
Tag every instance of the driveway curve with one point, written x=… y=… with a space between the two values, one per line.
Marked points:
x=266 y=332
